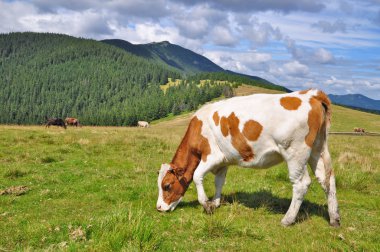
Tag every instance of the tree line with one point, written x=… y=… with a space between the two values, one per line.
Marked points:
x=52 y=75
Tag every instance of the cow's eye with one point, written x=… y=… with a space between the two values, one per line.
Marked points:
x=167 y=187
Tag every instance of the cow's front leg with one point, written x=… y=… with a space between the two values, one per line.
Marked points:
x=199 y=175
x=220 y=178
x=202 y=197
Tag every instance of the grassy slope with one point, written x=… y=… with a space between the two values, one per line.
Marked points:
x=103 y=180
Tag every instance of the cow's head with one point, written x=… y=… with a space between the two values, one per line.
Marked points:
x=171 y=188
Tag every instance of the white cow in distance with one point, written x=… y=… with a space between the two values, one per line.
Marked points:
x=143 y=124
x=256 y=131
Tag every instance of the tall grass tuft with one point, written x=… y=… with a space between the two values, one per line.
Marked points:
x=14 y=173
x=128 y=230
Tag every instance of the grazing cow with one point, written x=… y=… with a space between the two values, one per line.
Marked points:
x=55 y=121
x=72 y=121
x=258 y=131
x=359 y=130
x=143 y=124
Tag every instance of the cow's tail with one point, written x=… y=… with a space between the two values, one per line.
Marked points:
x=326 y=104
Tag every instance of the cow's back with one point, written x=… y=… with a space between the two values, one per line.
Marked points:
x=247 y=129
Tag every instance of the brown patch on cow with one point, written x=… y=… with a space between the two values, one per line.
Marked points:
x=252 y=130
x=315 y=121
x=176 y=189
x=230 y=126
x=319 y=116
x=193 y=148
x=290 y=103
x=224 y=126
x=215 y=117
x=304 y=91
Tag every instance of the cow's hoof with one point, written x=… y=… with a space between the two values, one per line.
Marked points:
x=335 y=223
x=286 y=222
x=209 y=207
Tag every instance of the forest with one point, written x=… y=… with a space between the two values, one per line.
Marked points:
x=51 y=75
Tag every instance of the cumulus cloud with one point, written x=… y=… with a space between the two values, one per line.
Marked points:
x=259 y=33
x=152 y=9
x=353 y=86
x=295 y=68
x=10 y=13
x=309 y=55
x=284 y=6
x=197 y=22
x=329 y=27
x=323 y=56
x=88 y=23
x=222 y=36
x=242 y=62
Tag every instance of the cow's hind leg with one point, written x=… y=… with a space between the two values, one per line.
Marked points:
x=220 y=178
x=320 y=163
x=300 y=179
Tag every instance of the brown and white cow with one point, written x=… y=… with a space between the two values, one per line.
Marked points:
x=359 y=130
x=72 y=121
x=257 y=131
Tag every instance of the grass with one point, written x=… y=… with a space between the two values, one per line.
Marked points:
x=176 y=82
x=94 y=189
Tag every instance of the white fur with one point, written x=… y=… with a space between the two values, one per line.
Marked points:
x=143 y=124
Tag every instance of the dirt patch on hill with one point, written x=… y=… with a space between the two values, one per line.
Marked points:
x=15 y=190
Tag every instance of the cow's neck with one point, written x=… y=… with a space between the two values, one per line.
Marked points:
x=188 y=156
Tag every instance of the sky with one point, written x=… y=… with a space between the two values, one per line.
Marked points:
x=333 y=45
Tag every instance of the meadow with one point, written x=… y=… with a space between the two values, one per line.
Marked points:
x=95 y=189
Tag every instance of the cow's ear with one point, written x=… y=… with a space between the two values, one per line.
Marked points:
x=179 y=172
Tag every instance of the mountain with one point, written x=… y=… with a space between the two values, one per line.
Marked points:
x=189 y=62
x=176 y=56
x=53 y=75
x=357 y=101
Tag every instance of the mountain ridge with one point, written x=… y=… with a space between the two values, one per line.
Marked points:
x=173 y=55
x=356 y=101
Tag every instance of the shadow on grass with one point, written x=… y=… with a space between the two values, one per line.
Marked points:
x=274 y=204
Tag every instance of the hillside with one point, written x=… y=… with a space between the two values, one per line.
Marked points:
x=51 y=75
x=356 y=101
x=188 y=62
x=173 y=55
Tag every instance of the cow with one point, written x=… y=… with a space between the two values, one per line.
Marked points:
x=359 y=130
x=143 y=124
x=72 y=121
x=256 y=131
x=55 y=121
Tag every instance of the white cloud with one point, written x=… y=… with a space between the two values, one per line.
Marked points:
x=323 y=56
x=222 y=36
x=295 y=68
x=242 y=62
x=329 y=27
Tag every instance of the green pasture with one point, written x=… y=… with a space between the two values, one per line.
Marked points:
x=95 y=189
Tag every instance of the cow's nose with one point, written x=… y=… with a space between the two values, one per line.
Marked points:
x=158 y=208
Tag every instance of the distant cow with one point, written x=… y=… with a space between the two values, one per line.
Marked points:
x=143 y=124
x=72 y=121
x=55 y=121
x=359 y=130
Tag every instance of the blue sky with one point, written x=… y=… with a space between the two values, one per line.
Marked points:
x=333 y=45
